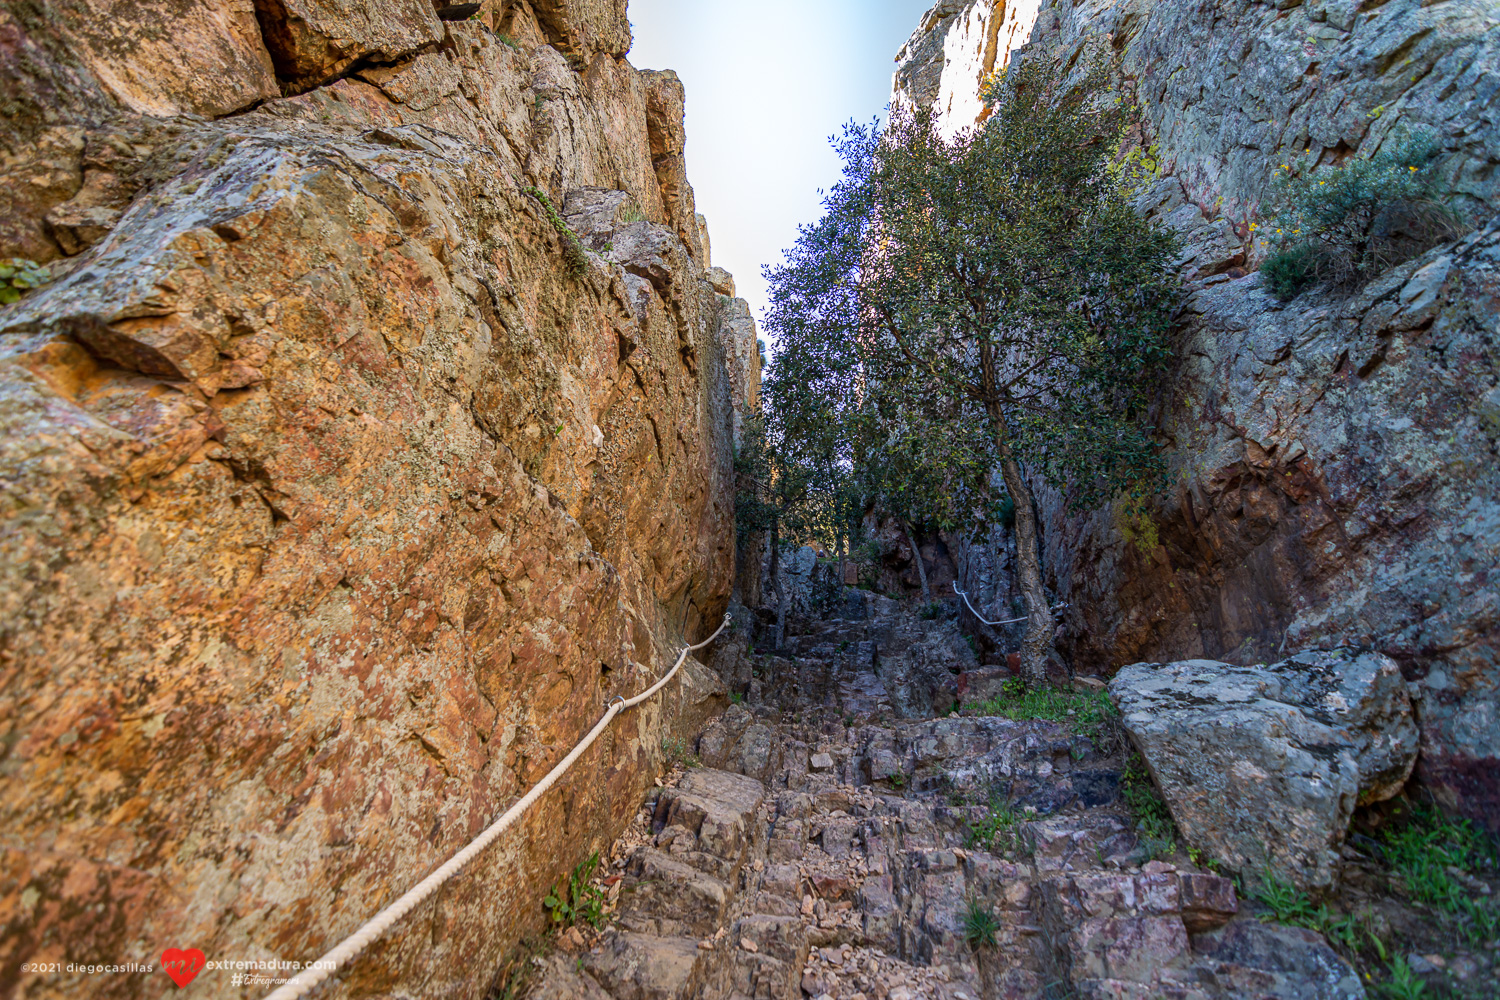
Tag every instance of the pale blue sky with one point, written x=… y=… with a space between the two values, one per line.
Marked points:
x=768 y=82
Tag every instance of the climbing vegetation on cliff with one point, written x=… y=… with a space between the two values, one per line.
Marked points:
x=1347 y=223
x=574 y=254
x=1137 y=526
x=17 y=277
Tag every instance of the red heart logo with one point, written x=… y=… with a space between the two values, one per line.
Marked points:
x=181 y=965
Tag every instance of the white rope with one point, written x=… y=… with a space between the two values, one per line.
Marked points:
x=304 y=982
x=1011 y=621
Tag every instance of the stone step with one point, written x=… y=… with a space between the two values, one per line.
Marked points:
x=822 y=853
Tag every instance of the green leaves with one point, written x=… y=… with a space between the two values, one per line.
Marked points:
x=17 y=277
x=964 y=298
x=980 y=924
x=574 y=254
x=1348 y=222
x=579 y=900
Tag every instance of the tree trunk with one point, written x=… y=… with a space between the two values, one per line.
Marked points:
x=777 y=587
x=916 y=555
x=1036 y=648
x=843 y=564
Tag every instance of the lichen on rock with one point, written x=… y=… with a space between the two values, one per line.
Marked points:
x=1332 y=460
x=333 y=507
x=1262 y=766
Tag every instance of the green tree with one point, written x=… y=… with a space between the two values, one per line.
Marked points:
x=997 y=281
x=899 y=472
x=790 y=487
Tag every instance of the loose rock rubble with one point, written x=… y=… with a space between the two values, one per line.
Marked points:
x=825 y=851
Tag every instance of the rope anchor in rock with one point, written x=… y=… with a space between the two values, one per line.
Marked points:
x=1010 y=621
x=304 y=982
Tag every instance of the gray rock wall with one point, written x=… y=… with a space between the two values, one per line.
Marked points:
x=1334 y=459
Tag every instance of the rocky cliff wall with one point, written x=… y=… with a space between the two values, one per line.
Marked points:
x=335 y=501
x=1334 y=459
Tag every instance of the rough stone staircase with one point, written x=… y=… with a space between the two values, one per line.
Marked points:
x=824 y=848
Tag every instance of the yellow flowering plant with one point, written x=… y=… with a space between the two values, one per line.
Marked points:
x=1345 y=223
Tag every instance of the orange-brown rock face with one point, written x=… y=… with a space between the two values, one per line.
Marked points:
x=333 y=507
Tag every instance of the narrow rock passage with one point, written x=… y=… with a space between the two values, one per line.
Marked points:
x=839 y=841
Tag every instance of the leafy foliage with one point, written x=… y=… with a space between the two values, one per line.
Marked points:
x=1286 y=904
x=579 y=901
x=1404 y=983
x=1431 y=853
x=999 y=272
x=1349 y=222
x=966 y=305
x=1087 y=711
x=17 y=277
x=1153 y=821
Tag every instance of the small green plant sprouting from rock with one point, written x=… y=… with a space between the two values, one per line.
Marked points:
x=929 y=612
x=980 y=924
x=579 y=900
x=1289 y=905
x=1404 y=983
x=17 y=277
x=998 y=830
x=1347 y=223
x=1435 y=858
x=507 y=40
x=574 y=254
x=630 y=213
x=678 y=753
x=1153 y=821
x=736 y=697
x=897 y=780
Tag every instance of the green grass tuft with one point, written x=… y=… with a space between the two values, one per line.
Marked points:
x=1431 y=853
x=1088 y=711
x=980 y=925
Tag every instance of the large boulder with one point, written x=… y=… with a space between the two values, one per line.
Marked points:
x=1263 y=766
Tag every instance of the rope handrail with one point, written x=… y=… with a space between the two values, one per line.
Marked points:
x=305 y=981
x=1009 y=621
